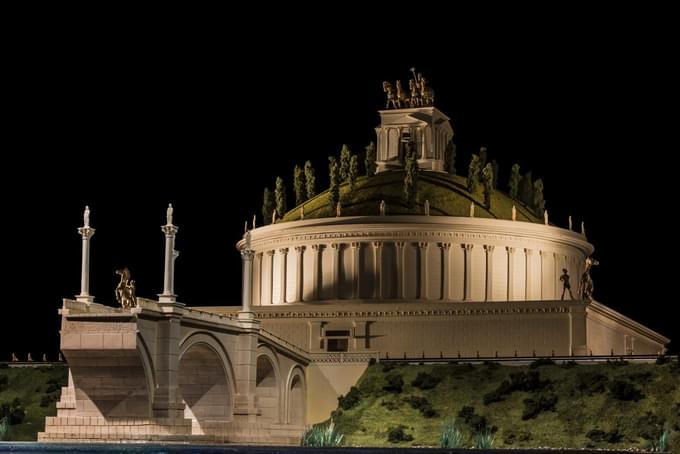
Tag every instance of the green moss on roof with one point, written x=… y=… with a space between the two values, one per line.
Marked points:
x=447 y=195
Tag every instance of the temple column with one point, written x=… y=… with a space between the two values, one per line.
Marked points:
x=528 y=253
x=446 y=252
x=86 y=232
x=401 y=269
x=270 y=281
x=543 y=255
x=257 y=290
x=556 y=272
x=168 y=295
x=489 y=272
x=467 y=287
x=317 y=248
x=300 y=281
x=377 y=272
x=247 y=255
x=356 y=249
x=282 y=275
x=511 y=273
x=424 y=282
x=335 y=247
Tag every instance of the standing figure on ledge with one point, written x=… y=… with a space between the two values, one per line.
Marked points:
x=382 y=208
x=472 y=209
x=391 y=96
x=565 y=284
x=586 y=286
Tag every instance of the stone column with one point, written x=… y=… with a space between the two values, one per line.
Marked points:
x=257 y=289
x=245 y=407
x=167 y=400
x=557 y=270
x=577 y=330
x=511 y=273
x=317 y=248
x=247 y=282
x=170 y=230
x=377 y=270
x=86 y=232
x=424 y=282
x=356 y=254
x=489 y=272
x=282 y=275
x=336 y=270
x=270 y=281
x=446 y=252
x=543 y=255
x=467 y=288
x=401 y=269
x=528 y=253
x=300 y=278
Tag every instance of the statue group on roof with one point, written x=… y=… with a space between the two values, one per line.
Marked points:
x=419 y=94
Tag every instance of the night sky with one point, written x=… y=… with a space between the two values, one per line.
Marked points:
x=126 y=125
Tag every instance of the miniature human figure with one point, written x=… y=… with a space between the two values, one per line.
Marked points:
x=570 y=224
x=338 y=211
x=29 y=359
x=401 y=96
x=586 y=286
x=245 y=226
x=387 y=88
x=14 y=358
x=86 y=216
x=514 y=213
x=254 y=220
x=565 y=284
x=168 y=214
x=545 y=217
x=274 y=216
x=427 y=207
x=44 y=357
x=583 y=228
x=302 y=212
x=61 y=359
x=247 y=241
x=382 y=208
x=472 y=209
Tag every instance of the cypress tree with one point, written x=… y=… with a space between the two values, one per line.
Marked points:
x=539 y=202
x=268 y=206
x=410 y=175
x=310 y=179
x=369 y=162
x=345 y=157
x=299 y=185
x=450 y=158
x=495 y=167
x=473 y=174
x=513 y=184
x=334 y=176
x=487 y=177
x=353 y=172
x=482 y=157
x=526 y=190
x=280 y=196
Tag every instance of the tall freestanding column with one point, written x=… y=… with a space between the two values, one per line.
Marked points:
x=86 y=232
x=247 y=255
x=170 y=230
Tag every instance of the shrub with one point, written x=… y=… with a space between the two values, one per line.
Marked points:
x=649 y=426
x=387 y=367
x=474 y=421
x=425 y=381
x=53 y=385
x=14 y=412
x=321 y=436
x=391 y=405
x=599 y=436
x=591 y=383
x=451 y=436
x=623 y=390
x=617 y=362
x=372 y=361
x=421 y=404
x=493 y=365
x=397 y=435
x=661 y=360
x=395 y=383
x=510 y=437
x=351 y=399
x=541 y=362
x=520 y=381
x=484 y=439
x=568 y=364
x=47 y=399
x=534 y=407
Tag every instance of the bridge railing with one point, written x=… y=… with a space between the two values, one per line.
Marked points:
x=280 y=340
x=344 y=357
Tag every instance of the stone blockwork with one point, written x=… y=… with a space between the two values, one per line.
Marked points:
x=164 y=372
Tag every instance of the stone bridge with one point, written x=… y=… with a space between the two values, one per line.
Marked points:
x=165 y=372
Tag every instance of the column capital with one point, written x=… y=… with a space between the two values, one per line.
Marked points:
x=86 y=232
x=423 y=244
x=528 y=251
x=511 y=250
x=400 y=244
x=317 y=247
x=169 y=230
x=336 y=246
x=377 y=244
x=545 y=253
x=283 y=250
x=467 y=247
x=355 y=245
x=489 y=248
x=300 y=249
x=445 y=245
x=259 y=255
x=271 y=252
x=247 y=254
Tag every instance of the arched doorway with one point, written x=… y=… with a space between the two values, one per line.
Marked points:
x=204 y=388
x=296 y=399
x=267 y=390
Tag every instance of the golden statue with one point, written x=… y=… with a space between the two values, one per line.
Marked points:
x=391 y=95
x=586 y=286
x=125 y=291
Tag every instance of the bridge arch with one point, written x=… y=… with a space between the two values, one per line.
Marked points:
x=268 y=385
x=206 y=382
x=296 y=391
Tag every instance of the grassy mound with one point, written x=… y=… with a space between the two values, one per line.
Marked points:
x=27 y=396
x=615 y=406
x=446 y=194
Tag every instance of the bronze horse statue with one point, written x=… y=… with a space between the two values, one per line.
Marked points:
x=125 y=291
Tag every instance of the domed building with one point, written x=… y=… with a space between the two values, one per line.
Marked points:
x=447 y=278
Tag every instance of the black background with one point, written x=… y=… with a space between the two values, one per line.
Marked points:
x=128 y=117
